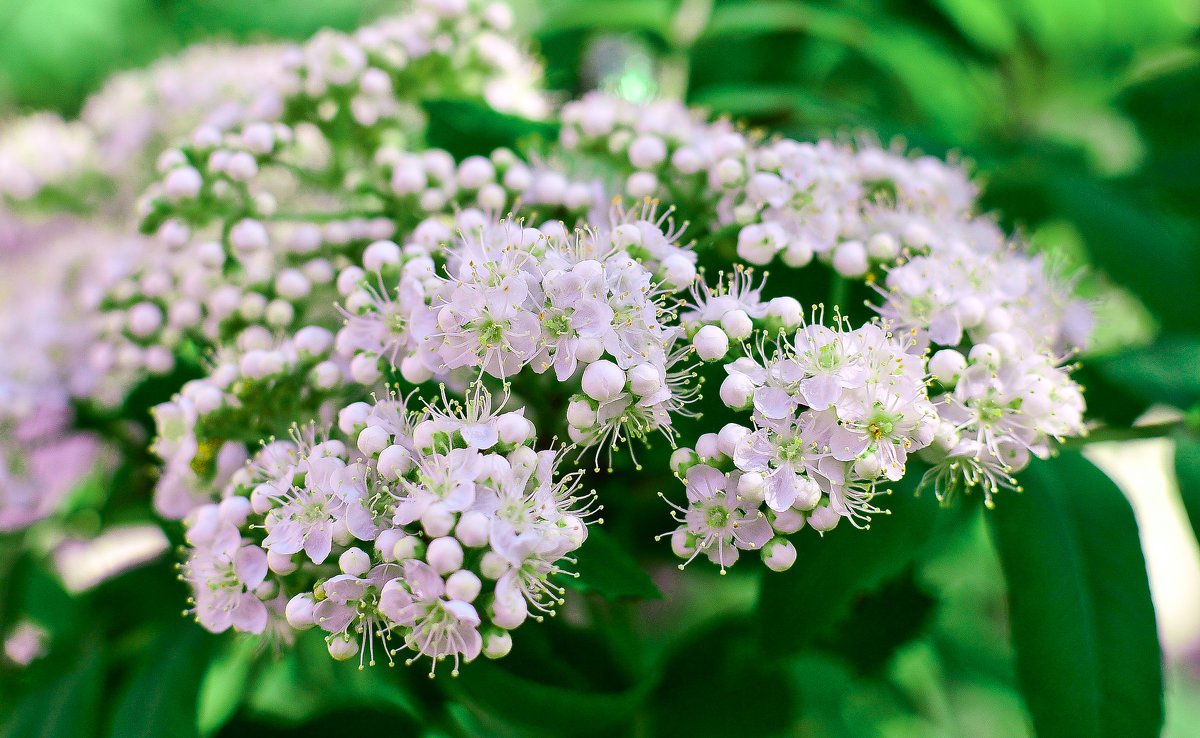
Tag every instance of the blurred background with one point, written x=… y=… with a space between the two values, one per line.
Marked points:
x=1080 y=117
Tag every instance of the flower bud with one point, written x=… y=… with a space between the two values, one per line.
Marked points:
x=249 y=235
x=707 y=447
x=493 y=565
x=797 y=254
x=729 y=172
x=883 y=247
x=711 y=343
x=437 y=520
x=751 y=487
x=497 y=644
x=644 y=380
x=473 y=529
x=683 y=459
x=353 y=417
x=850 y=259
x=678 y=271
x=985 y=354
x=341 y=647
x=183 y=183
x=385 y=542
x=603 y=380
x=514 y=428
x=779 y=554
x=509 y=614
x=144 y=319
x=683 y=544
x=737 y=324
x=394 y=462
x=580 y=413
x=947 y=366
x=373 y=439
x=788 y=521
x=379 y=254
x=414 y=370
x=463 y=585
x=730 y=435
x=364 y=369
x=355 y=562
x=588 y=350
x=409 y=547
x=444 y=554
x=823 y=518
x=647 y=151
x=299 y=612
x=737 y=391
x=641 y=184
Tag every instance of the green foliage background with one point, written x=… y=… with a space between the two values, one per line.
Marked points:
x=1080 y=118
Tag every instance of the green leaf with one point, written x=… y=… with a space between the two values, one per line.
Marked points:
x=224 y=685
x=1167 y=370
x=721 y=682
x=1161 y=270
x=161 y=696
x=1187 y=472
x=606 y=568
x=67 y=708
x=305 y=684
x=806 y=602
x=1079 y=602
x=953 y=95
x=467 y=128
x=649 y=16
x=492 y=692
x=880 y=622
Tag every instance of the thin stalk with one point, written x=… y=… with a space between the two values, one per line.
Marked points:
x=1133 y=433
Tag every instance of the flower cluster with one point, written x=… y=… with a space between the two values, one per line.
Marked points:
x=833 y=413
x=305 y=254
x=42 y=151
x=438 y=530
x=947 y=276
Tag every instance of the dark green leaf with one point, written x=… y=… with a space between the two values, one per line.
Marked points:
x=606 y=568
x=466 y=128
x=1187 y=472
x=160 y=697
x=1150 y=253
x=807 y=601
x=881 y=622
x=544 y=709
x=67 y=708
x=721 y=682
x=1079 y=602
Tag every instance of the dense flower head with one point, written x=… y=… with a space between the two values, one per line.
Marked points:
x=436 y=530
x=305 y=256
x=833 y=412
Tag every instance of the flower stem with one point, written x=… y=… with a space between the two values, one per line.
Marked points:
x=1133 y=433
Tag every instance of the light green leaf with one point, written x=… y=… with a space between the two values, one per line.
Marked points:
x=224 y=685
x=1079 y=602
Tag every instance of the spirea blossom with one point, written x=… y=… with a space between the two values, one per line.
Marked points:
x=434 y=530
x=833 y=413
